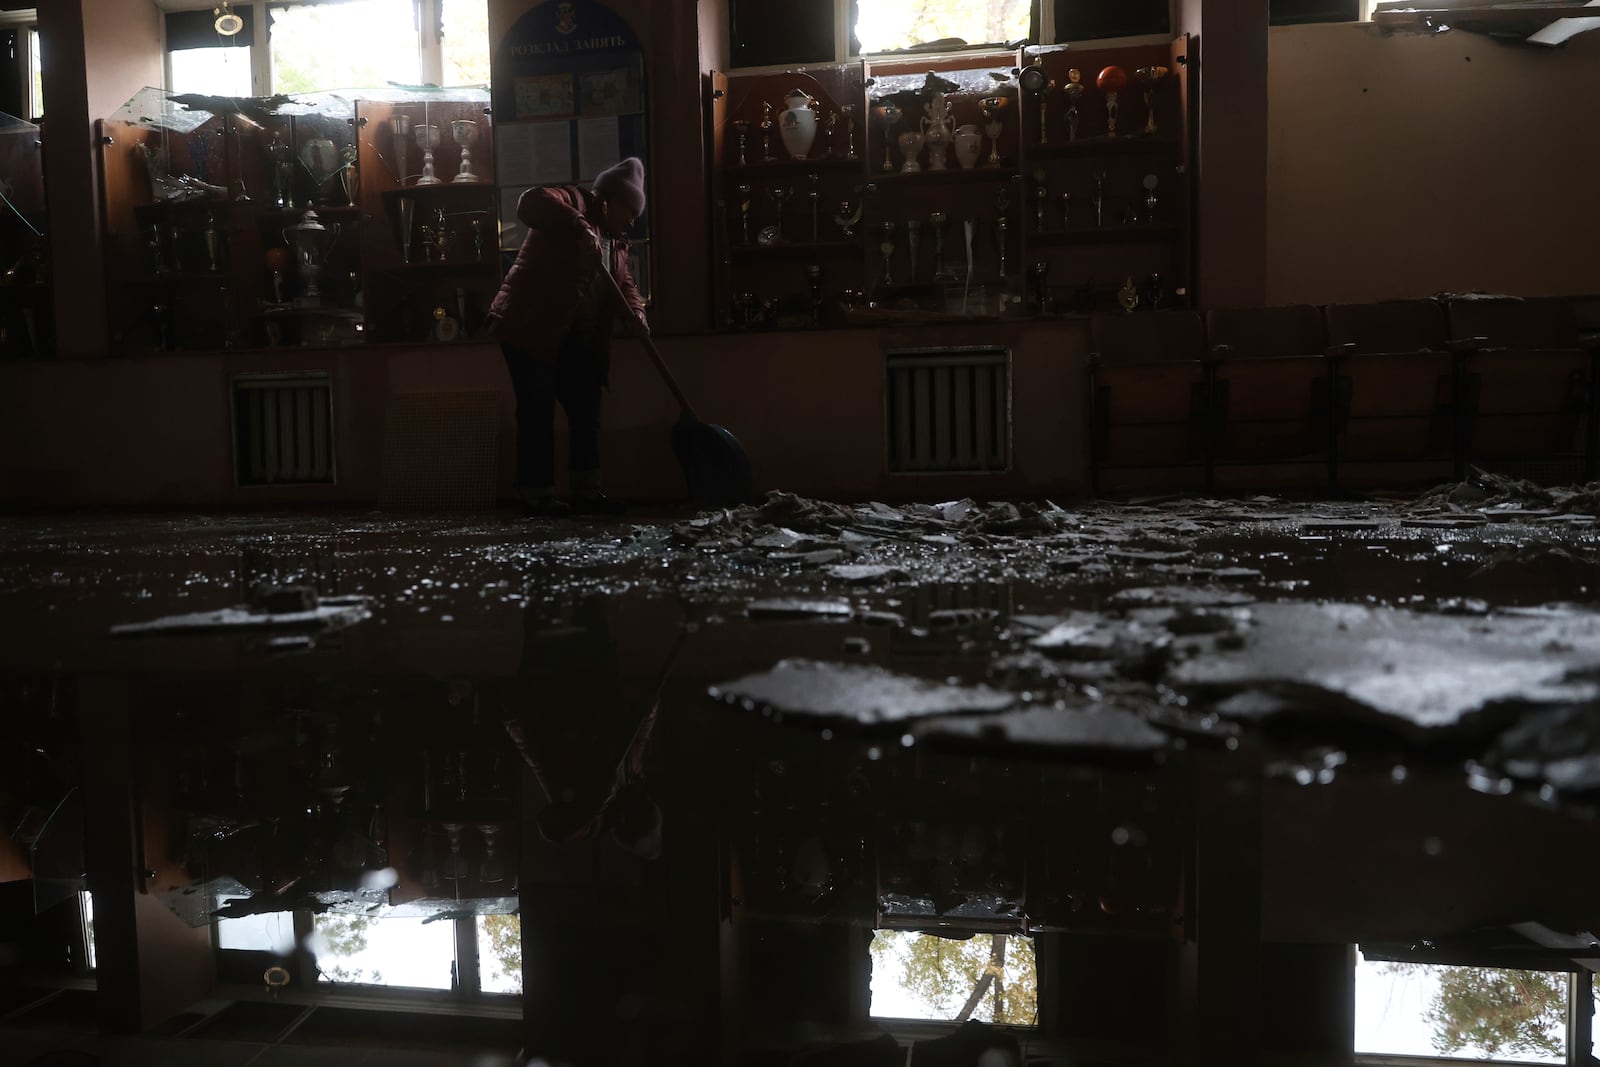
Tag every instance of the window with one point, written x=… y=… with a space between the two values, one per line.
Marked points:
x=987 y=977
x=310 y=46
x=1294 y=12
x=35 y=75
x=764 y=34
x=891 y=25
x=200 y=59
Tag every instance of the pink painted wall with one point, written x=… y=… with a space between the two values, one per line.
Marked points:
x=123 y=41
x=808 y=407
x=1406 y=165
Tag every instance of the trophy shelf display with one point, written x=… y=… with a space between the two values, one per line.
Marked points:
x=284 y=201
x=883 y=185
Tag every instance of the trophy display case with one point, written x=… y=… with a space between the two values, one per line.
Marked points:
x=324 y=219
x=25 y=317
x=992 y=184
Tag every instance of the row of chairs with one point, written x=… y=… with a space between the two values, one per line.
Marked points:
x=1394 y=393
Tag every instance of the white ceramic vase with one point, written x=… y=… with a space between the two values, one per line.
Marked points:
x=797 y=125
x=969 y=145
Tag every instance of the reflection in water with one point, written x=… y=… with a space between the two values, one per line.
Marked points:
x=1470 y=1013
x=1201 y=764
x=989 y=977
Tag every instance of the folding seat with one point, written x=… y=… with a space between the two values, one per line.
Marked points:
x=1525 y=387
x=1269 y=396
x=1395 y=408
x=1148 y=401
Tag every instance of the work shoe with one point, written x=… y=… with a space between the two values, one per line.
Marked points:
x=596 y=504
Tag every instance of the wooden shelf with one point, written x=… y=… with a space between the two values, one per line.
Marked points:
x=439 y=267
x=978 y=175
x=1109 y=235
x=798 y=249
x=793 y=166
x=1134 y=145
x=439 y=189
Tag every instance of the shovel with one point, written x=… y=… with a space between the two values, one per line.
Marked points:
x=714 y=463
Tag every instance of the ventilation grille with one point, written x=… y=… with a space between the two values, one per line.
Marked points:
x=949 y=410
x=283 y=429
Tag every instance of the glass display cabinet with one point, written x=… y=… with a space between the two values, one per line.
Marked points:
x=318 y=220
x=25 y=315
x=946 y=188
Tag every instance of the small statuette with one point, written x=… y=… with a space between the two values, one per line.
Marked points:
x=1150 y=183
x=1128 y=295
x=1066 y=211
x=1099 y=198
x=744 y=212
x=741 y=131
x=845 y=218
x=1073 y=91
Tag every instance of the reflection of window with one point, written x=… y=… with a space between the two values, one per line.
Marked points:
x=272 y=932
x=391 y=952
x=500 y=953
x=86 y=905
x=1468 y=1013
x=988 y=977
x=316 y=45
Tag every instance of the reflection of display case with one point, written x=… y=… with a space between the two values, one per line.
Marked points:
x=938 y=188
x=325 y=219
x=25 y=321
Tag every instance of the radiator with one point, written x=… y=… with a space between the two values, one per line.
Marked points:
x=283 y=429
x=948 y=410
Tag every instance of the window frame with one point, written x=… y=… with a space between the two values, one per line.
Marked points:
x=26 y=22
x=842 y=55
x=427 y=13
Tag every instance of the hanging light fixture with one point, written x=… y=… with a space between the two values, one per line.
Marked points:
x=227 y=22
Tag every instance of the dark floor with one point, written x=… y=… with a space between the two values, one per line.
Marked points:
x=1406 y=694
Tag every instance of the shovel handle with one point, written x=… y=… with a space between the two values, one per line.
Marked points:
x=649 y=346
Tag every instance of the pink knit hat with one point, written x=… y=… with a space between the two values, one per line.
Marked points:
x=623 y=184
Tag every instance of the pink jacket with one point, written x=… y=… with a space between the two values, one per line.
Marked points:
x=557 y=265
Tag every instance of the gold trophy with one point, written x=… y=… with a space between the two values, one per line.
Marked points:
x=993 y=107
x=1111 y=81
x=1151 y=77
x=888 y=115
x=766 y=132
x=1073 y=91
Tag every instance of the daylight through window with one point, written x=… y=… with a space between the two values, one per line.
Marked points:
x=887 y=25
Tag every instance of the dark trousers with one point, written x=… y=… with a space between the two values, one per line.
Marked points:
x=576 y=379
